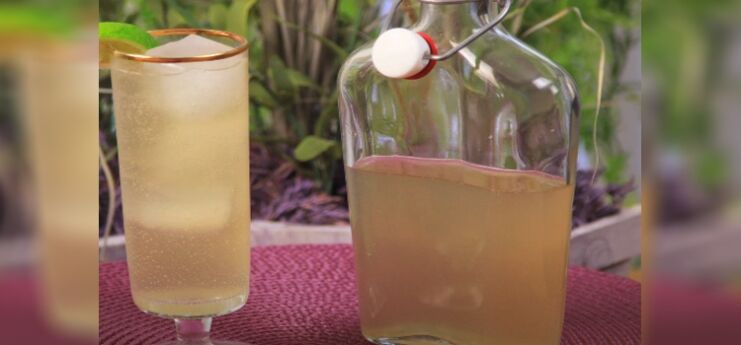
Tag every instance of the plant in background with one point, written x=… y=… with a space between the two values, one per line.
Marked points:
x=295 y=55
x=688 y=48
x=565 y=40
x=297 y=49
x=302 y=49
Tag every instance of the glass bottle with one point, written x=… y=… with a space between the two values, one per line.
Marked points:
x=460 y=180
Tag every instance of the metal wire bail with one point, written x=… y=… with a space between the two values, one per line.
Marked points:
x=478 y=33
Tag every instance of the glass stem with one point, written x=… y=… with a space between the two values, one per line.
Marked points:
x=193 y=331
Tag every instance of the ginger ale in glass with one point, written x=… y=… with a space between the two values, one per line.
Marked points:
x=182 y=119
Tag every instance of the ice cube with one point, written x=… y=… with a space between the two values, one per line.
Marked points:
x=194 y=90
x=188 y=213
x=191 y=45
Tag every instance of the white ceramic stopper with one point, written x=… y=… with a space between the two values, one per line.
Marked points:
x=400 y=53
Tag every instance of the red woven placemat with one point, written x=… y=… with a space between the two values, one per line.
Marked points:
x=22 y=313
x=305 y=295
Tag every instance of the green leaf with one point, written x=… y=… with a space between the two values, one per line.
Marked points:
x=261 y=95
x=217 y=14
x=278 y=73
x=341 y=53
x=254 y=37
x=183 y=13
x=299 y=79
x=287 y=80
x=151 y=14
x=311 y=147
x=336 y=152
x=266 y=116
x=329 y=111
x=261 y=119
x=236 y=19
x=174 y=19
x=615 y=166
x=350 y=10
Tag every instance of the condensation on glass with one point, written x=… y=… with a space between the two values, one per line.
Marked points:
x=183 y=139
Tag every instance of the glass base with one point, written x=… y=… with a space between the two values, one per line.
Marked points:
x=411 y=340
x=196 y=332
x=207 y=309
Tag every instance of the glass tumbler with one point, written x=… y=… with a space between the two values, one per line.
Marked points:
x=183 y=139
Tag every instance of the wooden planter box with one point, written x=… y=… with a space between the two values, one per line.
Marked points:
x=607 y=244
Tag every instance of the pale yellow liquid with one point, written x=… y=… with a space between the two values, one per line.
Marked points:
x=183 y=141
x=450 y=252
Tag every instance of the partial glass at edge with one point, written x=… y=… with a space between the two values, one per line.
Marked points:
x=183 y=138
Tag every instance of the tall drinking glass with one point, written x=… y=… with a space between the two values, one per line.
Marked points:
x=182 y=122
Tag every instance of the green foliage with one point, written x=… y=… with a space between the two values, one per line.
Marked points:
x=236 y=16
x=711 y=168
x=572 y=47
x=52 y=21
x=350 y=11
x=260 y=95
x=296 y=52
x=311 y=147
x=683 y=46
x=217 y=15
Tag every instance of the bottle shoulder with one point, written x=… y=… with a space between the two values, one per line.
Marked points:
x=357 y=64
x=496 y=102
x=540 y=65
x=496 y=56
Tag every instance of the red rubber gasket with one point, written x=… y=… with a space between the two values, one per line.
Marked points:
x=430 y=64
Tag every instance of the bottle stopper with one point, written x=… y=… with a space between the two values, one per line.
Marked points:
x=403 y=54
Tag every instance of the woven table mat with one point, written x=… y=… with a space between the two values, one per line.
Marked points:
x=23 y=318
x=307 y=295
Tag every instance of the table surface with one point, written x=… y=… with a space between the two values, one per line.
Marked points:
x=306 y=295
x=23 y=317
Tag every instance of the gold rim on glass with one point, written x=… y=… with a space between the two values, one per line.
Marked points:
x=239 y=49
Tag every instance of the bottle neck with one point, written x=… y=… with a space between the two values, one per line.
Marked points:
x=451 y=21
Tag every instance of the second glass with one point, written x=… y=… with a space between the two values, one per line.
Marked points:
x=183 y=138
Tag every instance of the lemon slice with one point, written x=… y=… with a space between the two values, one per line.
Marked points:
x=122 y=37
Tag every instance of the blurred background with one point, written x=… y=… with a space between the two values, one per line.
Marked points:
x=295 y=54
x=691 y=83
x=48 y=168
